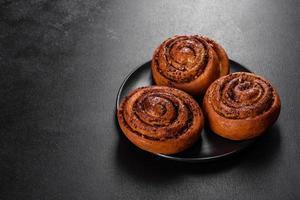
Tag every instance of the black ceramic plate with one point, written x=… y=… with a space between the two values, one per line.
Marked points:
x=211 y=146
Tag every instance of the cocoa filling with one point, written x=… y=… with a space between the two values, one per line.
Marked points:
x=240 y=97
x=178 y=133
x=173 y=73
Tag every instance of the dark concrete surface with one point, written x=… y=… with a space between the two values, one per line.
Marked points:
x=62 y=62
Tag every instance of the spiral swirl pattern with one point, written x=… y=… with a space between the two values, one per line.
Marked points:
x=182 y=58
x=241 y=95
x=189 y=63
x=159 y=113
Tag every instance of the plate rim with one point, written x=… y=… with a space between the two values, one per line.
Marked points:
x=171 y=157
x=123 y=83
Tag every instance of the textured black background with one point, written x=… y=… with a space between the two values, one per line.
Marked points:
x=62 y=62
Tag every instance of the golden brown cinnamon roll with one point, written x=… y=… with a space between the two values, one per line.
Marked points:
x=190 y=63
x=241 y=106
x=160 y=119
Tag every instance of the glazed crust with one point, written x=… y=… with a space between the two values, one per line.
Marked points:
x=222 y=56
x=189 y=63
x=160 y=119
x=241 y=106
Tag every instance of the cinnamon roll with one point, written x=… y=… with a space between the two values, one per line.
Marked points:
x=241 y=106
x=189 y=63
x=160 y=119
